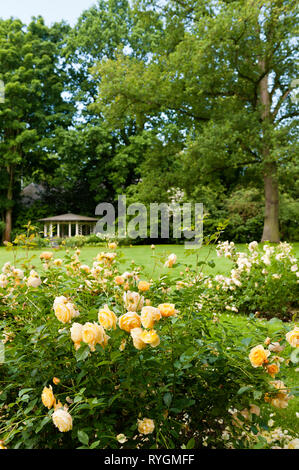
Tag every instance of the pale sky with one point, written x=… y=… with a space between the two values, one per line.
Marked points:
x=51 y=10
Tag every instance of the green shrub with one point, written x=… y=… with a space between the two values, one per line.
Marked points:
x=193 y=379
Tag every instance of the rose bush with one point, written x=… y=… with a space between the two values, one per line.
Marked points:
x=263 y=281
x=97 y=363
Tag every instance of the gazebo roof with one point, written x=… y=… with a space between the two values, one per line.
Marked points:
x=69 y=218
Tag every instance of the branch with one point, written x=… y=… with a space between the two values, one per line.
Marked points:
x=280 y=101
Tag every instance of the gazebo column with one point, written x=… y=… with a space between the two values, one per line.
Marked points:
x=45 y=230
x=77 y=229
x=70 y=229
x=51 y=230
x=58 y=229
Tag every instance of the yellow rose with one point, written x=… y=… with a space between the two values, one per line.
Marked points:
x=292 y=337
x=254 y=409
x=258 y=356
x=119 y=280
x=149 y=315
x=107 y=318
x=143 y=286
x=33 y=280
x=48 y=398
x=62 y=420
x=167 y=310
x=2 y=446
x=62 y=313
x=76 y=332
x=3 y=281
x=112 y=246
x=146 y=425
x=133 y=301
x=64 y=310
x=171 y=260
x=281 y=399
x=46 y=255
x=93 y=334
x=273 y=369
x=56 y=380
x=137 y=342
x=57 y=262
x=85 y=268
x=150 y=337
x=128 y=321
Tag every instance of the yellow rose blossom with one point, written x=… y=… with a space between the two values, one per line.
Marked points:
x=119 y=280
x=171 y=260
x=62 y=420
x=282 y=397
x=93 y=334
x=150 y=337
x=3 y=281
x=58 y=262
x=56 y=380
x=258 y=356
x=133 y=301
x=137 y=341
x=273 y=369
x=107 y=318
x=112 y=246
x=149 y=315
x=64 y=310
x=292 y=337
x=76 y=332
x=46 y=255
x=48 y=398
x=2 y=446
x=128 y=321
x=85 y=268
x=146 y=425
x=167 y=310
x=62 y=313
x=33 y=280
x=143 y=286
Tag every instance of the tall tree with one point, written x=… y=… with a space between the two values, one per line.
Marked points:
x=33 y=109
x=221 y=74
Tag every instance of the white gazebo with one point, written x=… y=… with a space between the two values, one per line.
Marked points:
x=68 y=225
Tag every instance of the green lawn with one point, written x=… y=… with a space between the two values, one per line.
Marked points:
x=142 y=255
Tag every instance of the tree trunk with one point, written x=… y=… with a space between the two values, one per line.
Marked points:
x=271 y=218
x=8 y=212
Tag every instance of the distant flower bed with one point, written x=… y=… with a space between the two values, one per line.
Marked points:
x=96 y=357
x=263 y=281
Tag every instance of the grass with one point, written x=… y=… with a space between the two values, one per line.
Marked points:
x=152 y=261
x=142 y=255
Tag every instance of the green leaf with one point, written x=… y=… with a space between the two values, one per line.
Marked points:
x=83 y=437
x=295 y=356
x=244 y=389
x=167 y=399
x=257 y=394
x=82 y=353
x=40 y=426
x=190 y=443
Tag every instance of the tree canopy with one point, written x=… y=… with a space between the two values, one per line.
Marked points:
x=153 y=98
